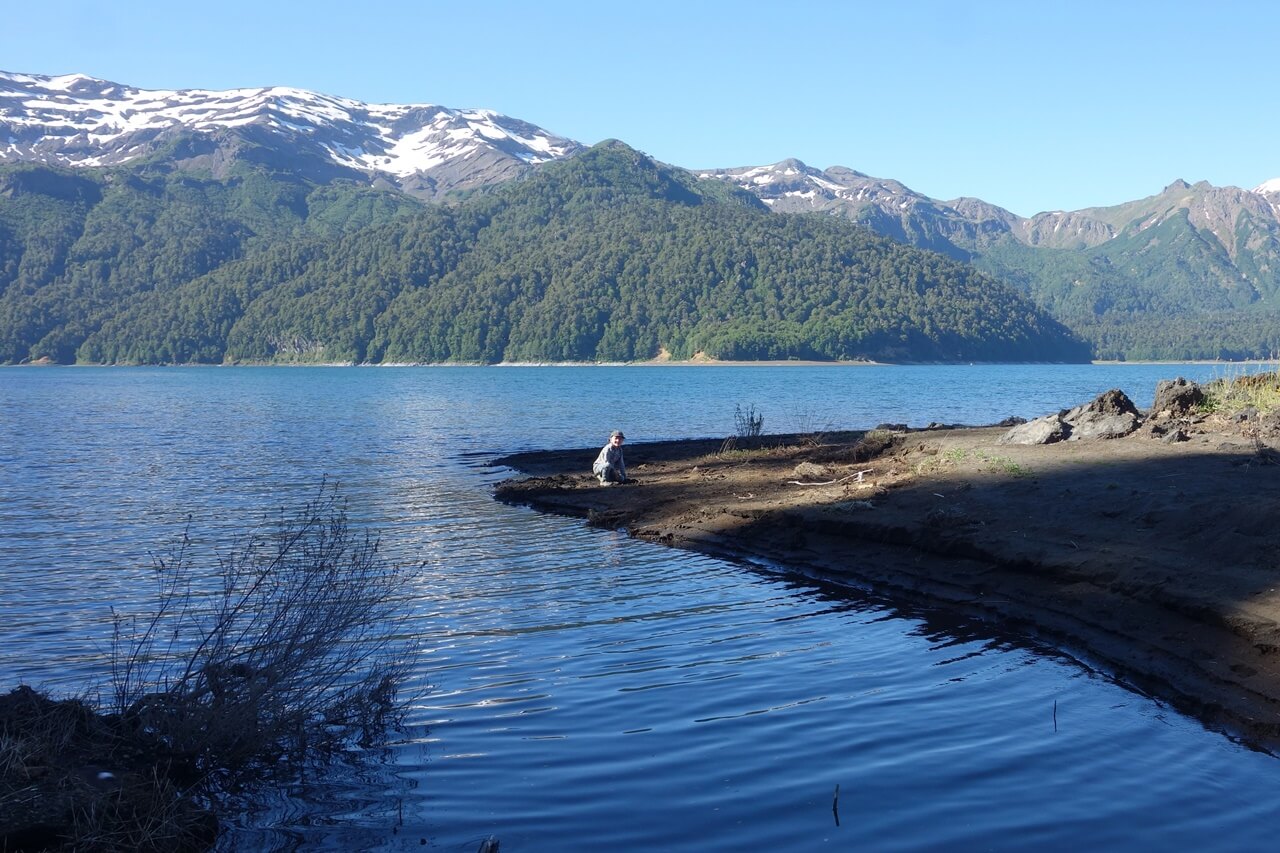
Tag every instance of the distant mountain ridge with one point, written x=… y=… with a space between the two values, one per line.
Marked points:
x=425 y=150
x=422 y=149
x=1144 y=279
x=892 y=208
x=790 y=186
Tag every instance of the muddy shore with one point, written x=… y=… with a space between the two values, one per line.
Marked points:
x=1156 y=559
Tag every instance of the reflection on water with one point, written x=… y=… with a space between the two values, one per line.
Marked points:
x=580 y=690
x=690 y=702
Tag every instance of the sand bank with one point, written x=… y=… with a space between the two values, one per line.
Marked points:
x=1158 y=560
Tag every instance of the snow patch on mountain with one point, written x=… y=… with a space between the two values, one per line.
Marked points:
x=892 y=208
x=78 y=120
x=791 y=185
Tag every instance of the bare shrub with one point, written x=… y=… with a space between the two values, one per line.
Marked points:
x=284 y=653
x=287 y=653
x=873 y=444
x=810 y=427
x=748 y=423
x=869 y=445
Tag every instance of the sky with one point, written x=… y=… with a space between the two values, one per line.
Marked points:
x=1033 y=105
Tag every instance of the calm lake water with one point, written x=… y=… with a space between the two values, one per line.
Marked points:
x=586 y=691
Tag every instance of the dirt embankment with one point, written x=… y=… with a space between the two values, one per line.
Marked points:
x=1157 y=553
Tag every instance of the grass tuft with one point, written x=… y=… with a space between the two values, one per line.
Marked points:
x=1260 y=391
x=955 y=457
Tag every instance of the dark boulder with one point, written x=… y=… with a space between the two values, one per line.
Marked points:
x=1176 y=397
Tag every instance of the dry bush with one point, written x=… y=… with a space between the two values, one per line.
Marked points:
x=747 y=423
x=869 y=445
x=288 y=653
x=810 y=427
x=285 y=653
x=875 y=443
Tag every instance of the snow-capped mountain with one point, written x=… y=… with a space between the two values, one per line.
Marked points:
x=893 y=209
x=792 y=186
x=1269 y=188
x=964 y=224
x=425 y=149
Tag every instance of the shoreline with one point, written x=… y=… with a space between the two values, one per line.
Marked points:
x=1154 y=559
x=653 y=362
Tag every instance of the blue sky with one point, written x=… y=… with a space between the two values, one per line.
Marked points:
x=1029 y=105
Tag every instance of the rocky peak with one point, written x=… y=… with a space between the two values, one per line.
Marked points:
x=843 y=173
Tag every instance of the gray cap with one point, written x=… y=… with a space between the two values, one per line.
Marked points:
x=618 y=433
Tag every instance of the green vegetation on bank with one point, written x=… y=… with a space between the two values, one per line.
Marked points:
x=606 y=256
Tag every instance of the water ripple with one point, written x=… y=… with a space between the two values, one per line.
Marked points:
x=575 y=688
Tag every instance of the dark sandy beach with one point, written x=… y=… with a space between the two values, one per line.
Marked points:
x=1155 y=555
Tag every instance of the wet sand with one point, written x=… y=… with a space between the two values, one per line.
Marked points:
x=1158 y=561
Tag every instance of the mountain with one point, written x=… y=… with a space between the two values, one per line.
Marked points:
x=606 y=255
x=422 y=149
x=965 y=225
x=1145 y=279
x=893 y=209
x=1160 y=266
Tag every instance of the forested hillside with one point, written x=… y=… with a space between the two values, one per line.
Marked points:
x=1162 y=289
x=1191 y=272
x=78 y=248
x=603 y=256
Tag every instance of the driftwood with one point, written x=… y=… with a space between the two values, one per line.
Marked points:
x=857 y=478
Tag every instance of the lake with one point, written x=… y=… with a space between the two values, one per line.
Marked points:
x=578 y=690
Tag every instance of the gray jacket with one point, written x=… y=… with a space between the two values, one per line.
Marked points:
x=610 y=455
